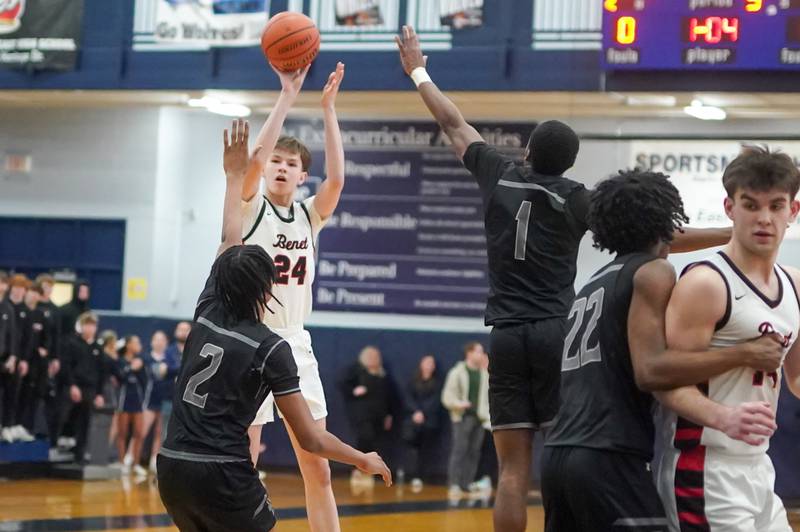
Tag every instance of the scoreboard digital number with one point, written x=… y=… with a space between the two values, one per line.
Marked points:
x=701 y=34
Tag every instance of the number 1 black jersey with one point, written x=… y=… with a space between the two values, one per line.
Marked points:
x=226 y=372
x=534 y=226
x=601 y=406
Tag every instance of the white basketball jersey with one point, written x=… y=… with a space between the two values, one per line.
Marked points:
x=749 y=314
x=289 y=236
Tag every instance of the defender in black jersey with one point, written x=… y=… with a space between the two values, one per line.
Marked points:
x=596 y=474
x=534 y=220
x=230 y=363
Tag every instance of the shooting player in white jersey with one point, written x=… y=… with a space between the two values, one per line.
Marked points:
x=707 y=480
x=287 y=230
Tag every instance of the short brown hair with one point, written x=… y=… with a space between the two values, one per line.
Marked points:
x=3 y=276
x=37 y=287
x=88 y=317
x=19 y=279
x=292 y=145
x=45 y=278
x=757 y=168
x=469 y=346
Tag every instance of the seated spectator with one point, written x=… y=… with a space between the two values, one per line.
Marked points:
x=367 y=392
x=466 y=396
x=421 y=426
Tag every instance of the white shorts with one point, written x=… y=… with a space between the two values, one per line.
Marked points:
x=730 y=493
x=310 y=383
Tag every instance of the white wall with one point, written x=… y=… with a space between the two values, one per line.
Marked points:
x=161 y=171
x=90 y=164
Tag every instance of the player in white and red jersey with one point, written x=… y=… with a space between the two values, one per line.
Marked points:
x=707 y=480
x=287 y=229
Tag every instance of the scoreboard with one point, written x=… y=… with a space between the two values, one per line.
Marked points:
x=701 y=34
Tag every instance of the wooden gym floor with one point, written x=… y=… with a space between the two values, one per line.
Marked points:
x=122 y=505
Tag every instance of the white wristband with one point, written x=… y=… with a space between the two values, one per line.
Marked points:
x=419 y=76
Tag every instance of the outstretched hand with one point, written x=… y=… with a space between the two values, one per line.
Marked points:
x=292 y=82
x=410 y=52
x=235 y=158
x=331 y=88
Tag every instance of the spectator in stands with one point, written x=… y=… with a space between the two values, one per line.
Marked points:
x=133 y=380
x=50 y=310
x=466 y=396
x=159 y=384
x=69 y=312
x=38 y=352
x=108 y=339
x=13 y=431
x=421 y=426
x=8 y=354
x=174 y=355
x=368 y=393
x=487 y=465
x=84 y=374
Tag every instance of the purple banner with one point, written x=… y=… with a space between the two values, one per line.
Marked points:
x=407 y=236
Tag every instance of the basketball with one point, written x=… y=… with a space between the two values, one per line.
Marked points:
x=290 y=41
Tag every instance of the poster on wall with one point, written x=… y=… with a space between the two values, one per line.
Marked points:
x=358 y=13
x=344 y=25
x=407 y=236
x=696 y=167
x=461 y=14
x=200 y=24
x=40 y=34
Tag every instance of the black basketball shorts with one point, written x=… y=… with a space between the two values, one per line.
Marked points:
x=525 y=373
x=214 y=496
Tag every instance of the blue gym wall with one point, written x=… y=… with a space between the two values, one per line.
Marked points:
x=497 y=56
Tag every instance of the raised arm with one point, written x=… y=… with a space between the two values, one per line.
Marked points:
x=444 y=111
x=698 y=303
x=327 y=196
x=235 y=162
x=658 y=368
x=291 y=83
x=688 y=239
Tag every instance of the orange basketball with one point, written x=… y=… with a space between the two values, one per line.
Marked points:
x=290 y=41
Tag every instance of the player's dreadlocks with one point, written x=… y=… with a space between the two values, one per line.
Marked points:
x=634 y=210
x=244 y=279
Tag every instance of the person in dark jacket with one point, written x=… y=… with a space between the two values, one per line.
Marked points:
x=423 y=410
x=69 y=313
x=84 y=372
x=8 y=352
x=173 y=361
x=15 y=373
x=37 y=353
x=160 y=384
x=368 y=393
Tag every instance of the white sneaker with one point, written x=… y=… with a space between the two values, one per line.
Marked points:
x=416 y=485
x=126 y=469
x=455 y=492
x=484 y=484
x=139 y=471
x=6 y=435
x=22 y=434
x=128 y=460
x=153 y=466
